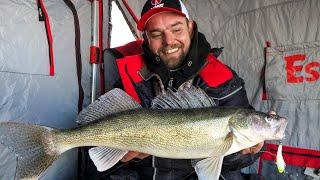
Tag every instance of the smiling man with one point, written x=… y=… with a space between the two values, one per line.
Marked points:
x=169 y=37
x=174 y=56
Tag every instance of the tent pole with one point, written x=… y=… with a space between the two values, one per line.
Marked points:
x=130 y=10
x=109 y=28
x=95 y=46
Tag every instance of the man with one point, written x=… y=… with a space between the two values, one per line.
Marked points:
x=175 y=55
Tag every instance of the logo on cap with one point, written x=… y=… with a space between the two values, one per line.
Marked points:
x=155 y=2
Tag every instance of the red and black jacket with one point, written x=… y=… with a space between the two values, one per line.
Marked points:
x=127 y=70
x=125 y=66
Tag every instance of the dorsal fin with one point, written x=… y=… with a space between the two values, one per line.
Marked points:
x=111 y=102
x=191 y=97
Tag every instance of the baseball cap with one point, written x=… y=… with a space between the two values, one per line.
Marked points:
x=152 y=7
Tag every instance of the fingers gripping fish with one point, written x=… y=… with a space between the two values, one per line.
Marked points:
x=181 y=125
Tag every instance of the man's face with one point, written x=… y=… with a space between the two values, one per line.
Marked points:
x=169 y=36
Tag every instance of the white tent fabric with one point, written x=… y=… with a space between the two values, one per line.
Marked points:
x=27 y=92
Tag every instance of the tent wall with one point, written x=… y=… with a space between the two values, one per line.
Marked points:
x=27 y=92
x=288 y=25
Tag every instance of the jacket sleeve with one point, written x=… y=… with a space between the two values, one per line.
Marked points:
x=230 y=93
x=238 y=98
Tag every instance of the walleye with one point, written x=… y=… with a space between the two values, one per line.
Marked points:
x=181 y=125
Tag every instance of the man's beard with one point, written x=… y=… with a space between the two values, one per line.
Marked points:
x=170 y=62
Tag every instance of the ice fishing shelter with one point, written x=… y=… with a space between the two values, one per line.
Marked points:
x=273 y=45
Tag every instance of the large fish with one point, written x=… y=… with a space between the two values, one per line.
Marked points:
x=181 y=125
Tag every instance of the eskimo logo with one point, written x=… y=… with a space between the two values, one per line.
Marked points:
x=297 y=64
x=155 y=2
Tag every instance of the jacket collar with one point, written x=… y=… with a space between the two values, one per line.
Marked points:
x=191 y=66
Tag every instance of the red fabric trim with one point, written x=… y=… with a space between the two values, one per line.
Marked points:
x=128 y=70
x=131 y=48
x=215 y=73
x=264 y=95
x=294 y=156
x=133 y=15
x=94 y=54
x=49 y=37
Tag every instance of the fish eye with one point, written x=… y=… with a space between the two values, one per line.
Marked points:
x=268 y=119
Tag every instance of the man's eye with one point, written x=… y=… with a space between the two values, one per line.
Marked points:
x=177 y=30
x=155 y=36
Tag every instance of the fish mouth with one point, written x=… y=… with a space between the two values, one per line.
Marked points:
x=280 y=132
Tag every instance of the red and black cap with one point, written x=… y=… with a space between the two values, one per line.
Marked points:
x=152 y=7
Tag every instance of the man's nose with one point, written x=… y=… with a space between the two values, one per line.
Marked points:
x=168 y=38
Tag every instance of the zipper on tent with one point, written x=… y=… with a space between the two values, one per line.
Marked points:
x=77 y=50
x=264 y=91
x=43 y=16
x=102 y=84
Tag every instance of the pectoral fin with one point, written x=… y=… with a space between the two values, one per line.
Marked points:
x=209 y=168
x=104 y=158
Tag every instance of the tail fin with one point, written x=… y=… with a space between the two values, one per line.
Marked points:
x=33 y=147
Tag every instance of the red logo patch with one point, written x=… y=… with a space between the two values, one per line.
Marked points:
x=155 y=2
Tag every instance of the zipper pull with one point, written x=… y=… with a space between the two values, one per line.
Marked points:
x=40 y=12
x=170 y=83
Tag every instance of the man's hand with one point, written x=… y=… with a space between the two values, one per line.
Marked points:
x=133 y=154
x=253 y=150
